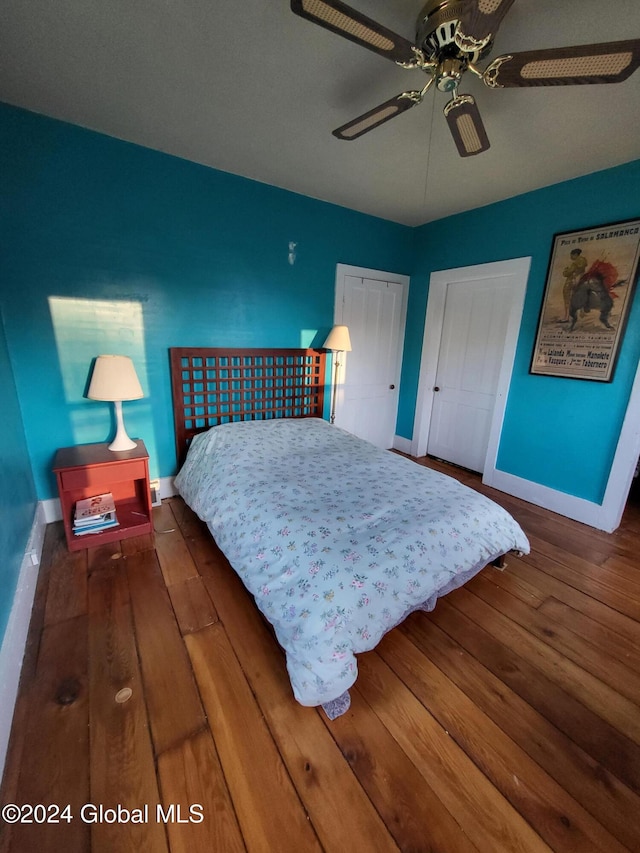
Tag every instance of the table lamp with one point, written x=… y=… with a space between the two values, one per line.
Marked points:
x=114 y=379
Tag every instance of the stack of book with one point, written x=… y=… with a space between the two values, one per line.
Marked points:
x=93 y=515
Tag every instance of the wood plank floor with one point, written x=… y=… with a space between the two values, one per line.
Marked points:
x=506 y=720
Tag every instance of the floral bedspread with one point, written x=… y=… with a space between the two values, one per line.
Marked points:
x=336 y=540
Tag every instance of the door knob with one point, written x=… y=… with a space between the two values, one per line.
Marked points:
x=436 y=388
x=391 y=387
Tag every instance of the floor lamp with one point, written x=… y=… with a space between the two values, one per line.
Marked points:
x=338 y=341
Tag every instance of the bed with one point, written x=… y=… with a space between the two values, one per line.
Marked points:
x=336 y=540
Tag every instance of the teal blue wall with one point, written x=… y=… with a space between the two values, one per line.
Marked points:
x=110 y=247
x=561 y=433
x=17 y=491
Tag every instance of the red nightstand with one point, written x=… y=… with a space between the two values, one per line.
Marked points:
x=92 y=469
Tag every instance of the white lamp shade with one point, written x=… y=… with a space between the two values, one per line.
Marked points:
x=338 y=339
x=114 y=378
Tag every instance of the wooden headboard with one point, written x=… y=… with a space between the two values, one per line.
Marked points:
x=212 y=386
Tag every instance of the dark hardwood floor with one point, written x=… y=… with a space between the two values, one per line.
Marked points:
x=506 y=720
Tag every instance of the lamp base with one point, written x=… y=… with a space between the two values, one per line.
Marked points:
x=122 y=440
x=334 y=390
x=122 y=443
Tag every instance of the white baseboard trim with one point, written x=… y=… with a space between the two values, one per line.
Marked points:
x=568 y=505
x=51 y=509
x=402 y=444
x=15 y=638
x=578 y=509
x=167 y=489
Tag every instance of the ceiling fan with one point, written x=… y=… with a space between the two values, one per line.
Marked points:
x=452 y=37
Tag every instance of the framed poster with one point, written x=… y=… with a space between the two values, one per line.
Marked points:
x=587 y=298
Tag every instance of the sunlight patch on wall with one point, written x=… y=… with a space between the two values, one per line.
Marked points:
x=84 y=329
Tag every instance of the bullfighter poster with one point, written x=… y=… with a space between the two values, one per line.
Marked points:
x=587 y=298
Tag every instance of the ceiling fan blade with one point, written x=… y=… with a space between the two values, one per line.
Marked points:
x=479 y=24
x=378 y=115
x=465 y=124
x=353 y=25
x=610 y=62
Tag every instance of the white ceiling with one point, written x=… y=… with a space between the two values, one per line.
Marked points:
x=248 y=87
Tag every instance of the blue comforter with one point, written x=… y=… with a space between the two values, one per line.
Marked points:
x=336 y=540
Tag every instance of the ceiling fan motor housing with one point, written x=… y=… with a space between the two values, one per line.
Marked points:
x=436 y=29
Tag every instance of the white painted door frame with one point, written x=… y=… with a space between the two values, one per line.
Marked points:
x=518 y=270
x=345 y=270
x=624 y=463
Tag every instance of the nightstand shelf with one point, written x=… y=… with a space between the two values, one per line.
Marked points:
x=92 y=469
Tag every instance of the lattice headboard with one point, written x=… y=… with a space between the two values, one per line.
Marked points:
x=212 y=386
